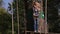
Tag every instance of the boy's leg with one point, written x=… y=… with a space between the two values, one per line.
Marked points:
x=37 y=24
x=34 y=24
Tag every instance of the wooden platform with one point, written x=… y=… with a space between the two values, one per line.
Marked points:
x=32 y=32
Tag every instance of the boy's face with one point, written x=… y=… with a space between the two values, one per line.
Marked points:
x=37 y=6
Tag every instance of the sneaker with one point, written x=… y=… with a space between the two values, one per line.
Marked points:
x=35 y=31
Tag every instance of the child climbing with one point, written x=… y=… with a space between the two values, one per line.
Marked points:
x=38 y=16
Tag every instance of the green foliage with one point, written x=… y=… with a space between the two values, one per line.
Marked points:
x=53 y=16
x=5 y=21
x=21 y=10
x=2 y=11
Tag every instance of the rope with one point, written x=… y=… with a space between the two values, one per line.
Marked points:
x=45 y=16
x=25 y=21
x=17 y=16
x=12 y=20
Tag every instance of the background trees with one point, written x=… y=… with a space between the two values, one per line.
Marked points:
x=1 y=2
x=5 y=21
x=53 y=17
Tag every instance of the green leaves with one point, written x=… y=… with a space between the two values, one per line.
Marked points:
x=2 y=11
x=5 y=20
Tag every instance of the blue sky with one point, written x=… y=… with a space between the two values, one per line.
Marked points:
x=5 y=3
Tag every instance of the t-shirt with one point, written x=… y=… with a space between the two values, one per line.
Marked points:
x=35 y=12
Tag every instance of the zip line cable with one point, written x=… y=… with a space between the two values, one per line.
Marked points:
x=17 y=16
x=12 y=19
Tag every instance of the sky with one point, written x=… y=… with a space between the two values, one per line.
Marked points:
x=5 y=3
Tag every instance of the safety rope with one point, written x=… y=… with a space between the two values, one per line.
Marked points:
x=46 y=31
x=18 y=17
x=12 y=20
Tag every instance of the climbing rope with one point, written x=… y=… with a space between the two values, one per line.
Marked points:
x=46 y=17
x=12 y=20
x=17 y=17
